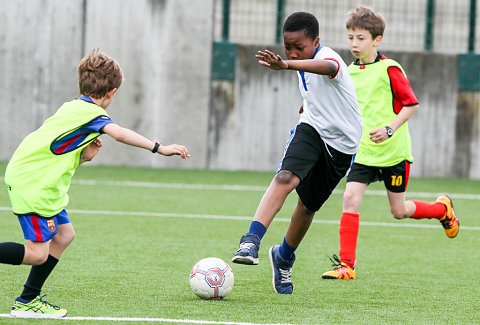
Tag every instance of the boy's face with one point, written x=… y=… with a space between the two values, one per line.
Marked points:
x=298 y=46
x=362 y=44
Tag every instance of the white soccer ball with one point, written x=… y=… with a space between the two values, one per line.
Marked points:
x=211 y=278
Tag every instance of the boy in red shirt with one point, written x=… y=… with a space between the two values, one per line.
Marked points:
x=386 y=102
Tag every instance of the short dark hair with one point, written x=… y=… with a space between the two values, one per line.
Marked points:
x=366 y=18
x=302 y=21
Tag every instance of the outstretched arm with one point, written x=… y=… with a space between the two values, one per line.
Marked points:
x=132 y=138
x=275 y=62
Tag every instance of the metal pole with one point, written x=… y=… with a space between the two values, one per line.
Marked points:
x=226 y=20
x=471 y=33
x=429 y=25
x=280 y=9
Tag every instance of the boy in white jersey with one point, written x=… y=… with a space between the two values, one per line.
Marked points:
x=319 y=151
x=39 y=173
x=386 y=102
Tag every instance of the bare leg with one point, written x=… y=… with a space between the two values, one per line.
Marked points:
x=61 y=240
x=39 y=273
x=400 y=208
x=36 y=253
x=272 y=201
x=352 y=197
x=301 y=221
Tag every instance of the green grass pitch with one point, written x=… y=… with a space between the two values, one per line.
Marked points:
x=140 y=231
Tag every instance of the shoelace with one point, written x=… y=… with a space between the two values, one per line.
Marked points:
x=336 y=262
x=46 y=303
x=285 y=275
x=246 y=245
x=447 y=222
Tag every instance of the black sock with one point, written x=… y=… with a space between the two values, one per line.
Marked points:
x=36 y=279
x=11 y=253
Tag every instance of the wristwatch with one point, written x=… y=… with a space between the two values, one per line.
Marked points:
x=389 y=131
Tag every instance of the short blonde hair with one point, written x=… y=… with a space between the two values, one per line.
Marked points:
x=98 y=73
x=366 y=18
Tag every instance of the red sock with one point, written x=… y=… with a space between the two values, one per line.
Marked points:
x=349 y=223
x=429 y=210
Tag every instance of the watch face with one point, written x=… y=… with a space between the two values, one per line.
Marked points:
x=389 y=132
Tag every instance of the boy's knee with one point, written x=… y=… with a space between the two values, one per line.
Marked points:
x=35 y=257
x=284 y=177
x=351 y=200
x=65 y=236
x=399 y=214
x=68 y=237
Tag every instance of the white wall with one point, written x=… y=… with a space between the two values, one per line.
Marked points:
x=165 y=50
x=163 y=46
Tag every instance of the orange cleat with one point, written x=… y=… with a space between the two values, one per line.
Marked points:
x=340 y=270
x=449 y=222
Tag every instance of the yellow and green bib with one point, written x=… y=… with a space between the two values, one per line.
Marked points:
x=375 y=102
x=39 y=173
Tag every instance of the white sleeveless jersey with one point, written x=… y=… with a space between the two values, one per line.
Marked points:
x=330 y=104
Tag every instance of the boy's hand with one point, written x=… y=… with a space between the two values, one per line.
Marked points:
x=378 y=135
x=271 y=60
x=90 y=150
x=174 y=149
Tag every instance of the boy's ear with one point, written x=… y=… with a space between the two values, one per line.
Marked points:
x=111 y=92
x=377 y=40
x=316 y=41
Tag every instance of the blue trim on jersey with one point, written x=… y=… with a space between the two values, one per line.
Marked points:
x=292 y=134
x=72 y=140
x=302 y=73
x=87 y=99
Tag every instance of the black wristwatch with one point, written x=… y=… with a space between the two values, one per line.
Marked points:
x=155 y=146
x=389 y=131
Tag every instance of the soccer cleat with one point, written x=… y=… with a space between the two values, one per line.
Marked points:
x=340 y=270
x=450 y=222
x=282 y=271
x=37 y=308
x=247 y=253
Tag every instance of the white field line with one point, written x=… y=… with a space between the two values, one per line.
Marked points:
x=245 y=218
x=155 y=320
x=216 y=187
x=251 y=188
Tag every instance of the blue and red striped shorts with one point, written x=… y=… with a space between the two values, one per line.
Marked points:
x=40 y=229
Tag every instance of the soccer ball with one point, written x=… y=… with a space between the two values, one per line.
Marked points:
x=211 y=278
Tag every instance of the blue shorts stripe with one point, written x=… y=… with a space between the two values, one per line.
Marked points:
x=40 y=229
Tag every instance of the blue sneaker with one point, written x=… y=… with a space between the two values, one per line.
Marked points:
x=247 y=253
x=282 y=271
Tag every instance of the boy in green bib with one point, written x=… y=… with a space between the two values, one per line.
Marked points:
x=39 y=173
x=386 y=102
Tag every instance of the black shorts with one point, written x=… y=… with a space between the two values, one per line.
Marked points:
x=394 y=177
x=319 y=166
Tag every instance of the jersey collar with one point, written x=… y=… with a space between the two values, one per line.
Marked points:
x=87 y=99
x=378 y=58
